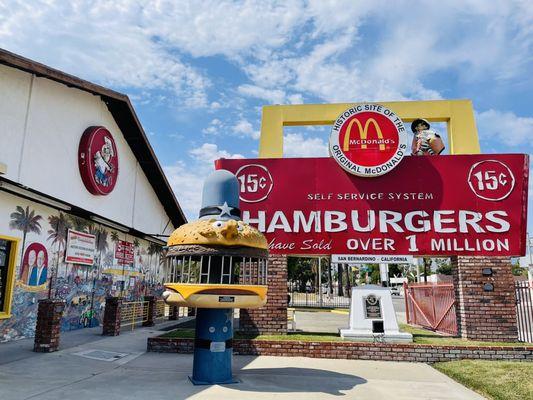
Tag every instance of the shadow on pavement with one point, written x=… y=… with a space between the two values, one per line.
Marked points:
x=292 y=379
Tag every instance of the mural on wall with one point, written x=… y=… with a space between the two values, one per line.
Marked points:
x=34 y=270
x=123 y=266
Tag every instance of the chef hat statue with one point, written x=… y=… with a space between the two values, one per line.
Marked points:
x=216 y=264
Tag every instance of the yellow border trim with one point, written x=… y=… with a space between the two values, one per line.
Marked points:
x=188 y=289
x=116 y=271
x=13 y=254
x=33 y=288
x=458 y=114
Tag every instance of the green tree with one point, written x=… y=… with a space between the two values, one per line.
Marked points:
x=26 y=221
x=340 y=288
x=517 y=270
x=299 y=272
x=444 y=266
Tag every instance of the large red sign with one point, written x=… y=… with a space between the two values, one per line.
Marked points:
x=124 y=252
x=98 y=160
x=446 y=205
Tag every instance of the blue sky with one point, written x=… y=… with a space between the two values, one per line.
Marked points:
x=198 y=72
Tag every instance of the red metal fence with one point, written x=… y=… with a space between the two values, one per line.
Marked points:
x=431 y=305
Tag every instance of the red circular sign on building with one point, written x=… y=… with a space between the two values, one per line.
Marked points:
x=255 y=183
x=491 y=180
x=368 y=140
x=98 y=160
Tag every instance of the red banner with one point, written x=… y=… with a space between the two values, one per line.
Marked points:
x=442 y=205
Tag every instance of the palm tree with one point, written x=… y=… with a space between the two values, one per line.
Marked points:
x=348 y=283
x=114 y=238
x=340 y=290
x=58 y=235
x=79 y=224
x=101 y=241
x=25 y=221
x=153 y=249
x=330 y=279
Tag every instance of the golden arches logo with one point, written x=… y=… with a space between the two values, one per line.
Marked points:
x=363 y=133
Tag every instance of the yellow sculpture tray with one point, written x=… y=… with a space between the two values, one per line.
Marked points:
x=215 y=295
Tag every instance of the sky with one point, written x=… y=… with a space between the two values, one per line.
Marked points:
x=198 y=72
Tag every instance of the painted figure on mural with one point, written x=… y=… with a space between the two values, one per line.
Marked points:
x=425 y=140
x=28 y=265
x=103 y=164
x=39 y=272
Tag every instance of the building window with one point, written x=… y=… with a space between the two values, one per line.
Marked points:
x=8 y=252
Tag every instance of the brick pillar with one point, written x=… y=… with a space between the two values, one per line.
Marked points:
x=111 y=324
x=483 y=314
x=272 y=318
x=173 y=314
x=152 y=310
x=47 y=331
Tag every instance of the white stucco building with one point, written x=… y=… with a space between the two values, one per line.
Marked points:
x=47 y=210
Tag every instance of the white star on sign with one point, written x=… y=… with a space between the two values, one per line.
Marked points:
x=225 y=209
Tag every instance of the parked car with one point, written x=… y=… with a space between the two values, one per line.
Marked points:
x=395 y=291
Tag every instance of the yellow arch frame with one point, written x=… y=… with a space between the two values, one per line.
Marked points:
x=6 y=312
x=458 y=114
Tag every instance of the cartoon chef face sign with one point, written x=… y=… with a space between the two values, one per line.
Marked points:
x=98 y=160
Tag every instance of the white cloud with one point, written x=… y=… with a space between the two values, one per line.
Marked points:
x=187 y=179
x=214 y=127
x=209 y=152
x=505 y=127
x=223 y=27
x=105 y=42
x=296 y=145
x=273 y=96
x=187 y=184
x=244 y=127
x=290 y=50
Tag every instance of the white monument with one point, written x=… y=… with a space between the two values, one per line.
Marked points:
x=372 y=317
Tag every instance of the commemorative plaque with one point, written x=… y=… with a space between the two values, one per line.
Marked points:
x=372 y=317
x=372 y=307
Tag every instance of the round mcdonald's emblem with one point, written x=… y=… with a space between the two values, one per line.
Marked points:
x=368 y=140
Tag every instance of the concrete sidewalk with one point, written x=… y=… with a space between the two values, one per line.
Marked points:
x=69 y=374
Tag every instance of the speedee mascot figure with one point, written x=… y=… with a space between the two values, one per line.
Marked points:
x=425 y=140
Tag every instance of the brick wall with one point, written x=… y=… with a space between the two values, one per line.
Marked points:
x=152 y=310
x=353 y=350
x=112 y=314
x=272 y=318
x=47 y=331
x=485 y=315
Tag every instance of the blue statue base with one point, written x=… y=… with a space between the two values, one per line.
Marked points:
x=213 y=347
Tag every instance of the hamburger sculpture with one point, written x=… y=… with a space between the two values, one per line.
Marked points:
x=216 y=264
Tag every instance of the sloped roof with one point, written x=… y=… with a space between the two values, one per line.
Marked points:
x=122 y=111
